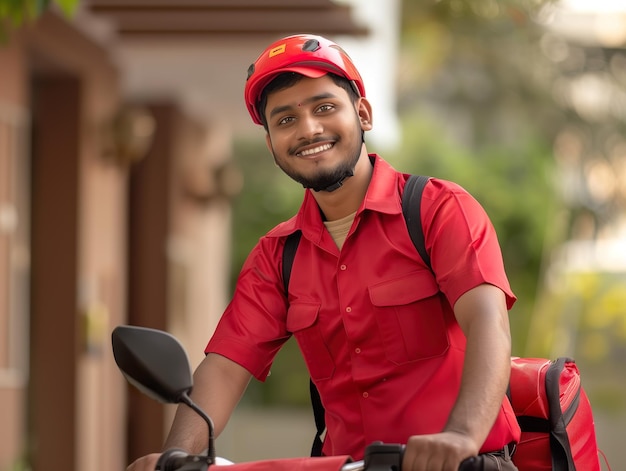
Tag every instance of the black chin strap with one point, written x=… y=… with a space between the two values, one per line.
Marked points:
x=332 y=187
x=335 y=185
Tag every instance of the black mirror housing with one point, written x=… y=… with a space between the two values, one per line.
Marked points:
x=153 y=361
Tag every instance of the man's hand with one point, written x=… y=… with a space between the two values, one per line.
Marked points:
x=438 y=452
x=145 y=463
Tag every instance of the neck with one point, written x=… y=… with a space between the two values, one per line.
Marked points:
x=348 y=198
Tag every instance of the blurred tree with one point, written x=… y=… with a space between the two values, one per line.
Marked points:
x=14 y=13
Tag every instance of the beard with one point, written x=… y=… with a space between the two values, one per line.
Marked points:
x=327 y=179
x=324 y=179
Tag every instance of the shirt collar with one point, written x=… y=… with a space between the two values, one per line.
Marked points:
x=382 y=194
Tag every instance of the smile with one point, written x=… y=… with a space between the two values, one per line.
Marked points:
x=315 y=150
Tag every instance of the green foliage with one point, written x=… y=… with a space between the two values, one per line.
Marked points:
x=268 y=198
x=15 y=13
x=584 y=312
x=587 y=313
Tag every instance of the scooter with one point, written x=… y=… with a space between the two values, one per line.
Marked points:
x=155 y=362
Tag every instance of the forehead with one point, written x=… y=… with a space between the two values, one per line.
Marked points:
x=307 y=88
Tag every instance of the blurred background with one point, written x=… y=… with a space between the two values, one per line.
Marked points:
x=133 y=185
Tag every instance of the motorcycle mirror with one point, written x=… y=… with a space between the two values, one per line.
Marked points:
x=153 y=361
x=156 y=363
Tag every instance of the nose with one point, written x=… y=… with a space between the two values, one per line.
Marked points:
x=309 y=126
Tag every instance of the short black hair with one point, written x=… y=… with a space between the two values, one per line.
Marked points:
x=289 y=79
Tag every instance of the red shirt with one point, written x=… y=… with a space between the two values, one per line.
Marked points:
x=376 y=330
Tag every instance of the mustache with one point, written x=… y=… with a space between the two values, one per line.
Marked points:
x=294 y=150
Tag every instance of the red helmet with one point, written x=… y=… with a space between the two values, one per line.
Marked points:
x=306 y=54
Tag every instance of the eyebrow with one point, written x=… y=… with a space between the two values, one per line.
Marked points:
x=314 y=98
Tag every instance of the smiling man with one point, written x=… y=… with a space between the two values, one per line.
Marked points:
x=398 y=354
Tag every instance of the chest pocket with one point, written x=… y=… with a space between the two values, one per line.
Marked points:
x=302 y=321
x=410 y=317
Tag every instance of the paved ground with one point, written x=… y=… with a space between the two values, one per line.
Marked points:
x=262 y=434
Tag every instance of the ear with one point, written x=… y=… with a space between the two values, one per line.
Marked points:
x=364 y=109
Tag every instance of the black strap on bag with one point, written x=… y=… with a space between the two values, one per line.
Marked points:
x=411 y=202
x=559 y=441
x=558 y=419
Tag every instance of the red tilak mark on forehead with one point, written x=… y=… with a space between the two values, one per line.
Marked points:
x=299 y=104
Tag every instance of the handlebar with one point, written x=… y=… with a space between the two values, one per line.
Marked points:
x=378 y=457
x=381 y=456
x=176 y=459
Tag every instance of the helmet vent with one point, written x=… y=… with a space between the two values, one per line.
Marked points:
x=311 y=45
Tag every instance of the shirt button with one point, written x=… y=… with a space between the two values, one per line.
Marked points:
x=357 y=350
x=343 y=267
x=348 y=309
x=366 y=395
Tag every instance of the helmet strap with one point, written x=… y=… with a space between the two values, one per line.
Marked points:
x=338 y=184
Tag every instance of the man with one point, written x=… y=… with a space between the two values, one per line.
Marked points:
x=397 y=354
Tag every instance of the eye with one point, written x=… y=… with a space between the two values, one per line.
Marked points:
x=325 y=107
x=285 y=120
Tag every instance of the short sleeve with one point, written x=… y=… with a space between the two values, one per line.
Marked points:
x=462 y=242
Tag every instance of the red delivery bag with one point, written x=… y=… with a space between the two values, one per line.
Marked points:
x=554 y=413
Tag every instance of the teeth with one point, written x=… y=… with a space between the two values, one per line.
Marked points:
x=315 y=150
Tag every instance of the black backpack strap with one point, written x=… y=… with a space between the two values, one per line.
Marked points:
x=320 y=421
x=411 y=202
x=559 y=442
x=289 y=254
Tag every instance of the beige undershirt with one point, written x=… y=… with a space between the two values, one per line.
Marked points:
x=339 y=229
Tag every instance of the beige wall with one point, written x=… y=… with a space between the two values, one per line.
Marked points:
x=101 y=291
x=199 y=241
x=14 y=266
x=47 y=49
x=79 y=406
